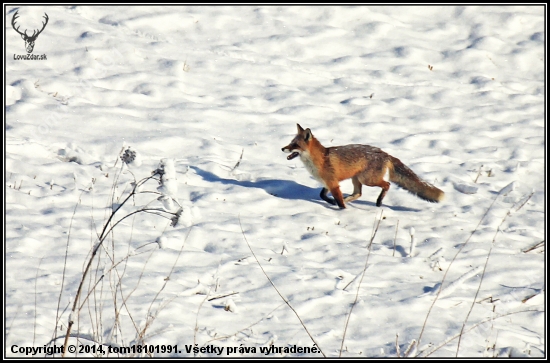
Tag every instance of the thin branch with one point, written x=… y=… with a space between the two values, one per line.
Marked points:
x=35 y=301
x=94 y=252
x=479 y=286
x=238 y=162
x=478 y=173
x=395 y=238
x=248 y=327
x=166 y=279
x=449 y=268
x=375 y=230
x=483 y=273
x=534 y=247
x=127 y=297
x=447 y=341
x=397 y=350
x=222 y=296
x=215 y=277
x=57 y=315
x=278 y=292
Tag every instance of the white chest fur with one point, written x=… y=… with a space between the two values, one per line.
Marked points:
x=310 y=166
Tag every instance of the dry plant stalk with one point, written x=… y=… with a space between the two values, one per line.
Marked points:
x=483 y=273
x=107 y=229
x=278 y=292
x=360 y=281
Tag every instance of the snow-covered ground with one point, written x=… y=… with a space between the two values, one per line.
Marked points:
x=456 y=93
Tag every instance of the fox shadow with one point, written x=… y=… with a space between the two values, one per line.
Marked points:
x=396 y=208
x=287 y=189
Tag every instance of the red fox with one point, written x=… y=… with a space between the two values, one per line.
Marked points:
x=364 y=164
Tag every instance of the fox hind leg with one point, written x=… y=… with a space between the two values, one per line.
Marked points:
x=385 y=187
x=374 y=177
x=356 y=190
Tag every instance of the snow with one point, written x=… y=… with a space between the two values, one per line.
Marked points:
x=210 y=94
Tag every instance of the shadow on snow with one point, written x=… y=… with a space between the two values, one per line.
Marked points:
x=288 y=189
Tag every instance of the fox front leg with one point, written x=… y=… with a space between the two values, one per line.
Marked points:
x=338 y=198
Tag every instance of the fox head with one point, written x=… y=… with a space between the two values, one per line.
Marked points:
x=299 y=144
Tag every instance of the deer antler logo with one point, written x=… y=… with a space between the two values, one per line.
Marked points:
x=29 y=40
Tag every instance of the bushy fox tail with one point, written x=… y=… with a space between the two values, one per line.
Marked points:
x=401 y=175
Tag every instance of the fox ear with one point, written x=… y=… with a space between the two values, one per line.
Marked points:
x=300 y=129
x=307 y=135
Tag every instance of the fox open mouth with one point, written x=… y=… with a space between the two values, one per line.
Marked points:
x=293 y=155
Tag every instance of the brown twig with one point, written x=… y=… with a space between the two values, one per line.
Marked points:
x=534 y=247
x=395 y=238
x=375 y=229
x=105 y=231
x=447 y=341
x=278 y=292
x=222 y=296
x=449 y=268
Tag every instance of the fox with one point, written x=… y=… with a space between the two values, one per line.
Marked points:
x=364 y=164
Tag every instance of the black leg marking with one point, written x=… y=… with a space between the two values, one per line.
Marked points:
x=324 y=196
x=381 y=196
